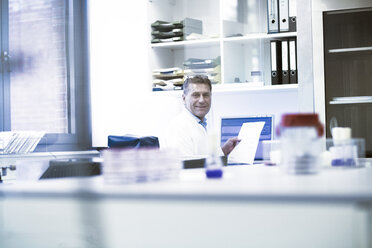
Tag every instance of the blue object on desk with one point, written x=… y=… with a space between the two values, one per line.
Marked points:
x=343 y=162
x=129 y=141
x=214 y=173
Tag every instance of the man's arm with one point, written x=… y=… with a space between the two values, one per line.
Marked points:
x=230 y=145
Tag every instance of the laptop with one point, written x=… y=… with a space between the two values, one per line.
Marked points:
x=230 y=127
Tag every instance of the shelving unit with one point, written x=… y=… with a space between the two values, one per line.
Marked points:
x=233 y=30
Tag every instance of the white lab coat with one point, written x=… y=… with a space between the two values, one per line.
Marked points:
x=187 y=135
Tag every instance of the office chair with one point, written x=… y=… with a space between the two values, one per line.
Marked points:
x=130 y=141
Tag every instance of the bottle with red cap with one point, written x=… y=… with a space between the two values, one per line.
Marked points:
x=300 y=138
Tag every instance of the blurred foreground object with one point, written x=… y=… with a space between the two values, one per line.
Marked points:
x=123 y=166
x=344 y=149
x=213 y=163
x=300 y=143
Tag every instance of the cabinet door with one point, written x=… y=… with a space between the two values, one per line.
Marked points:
x=348 y=63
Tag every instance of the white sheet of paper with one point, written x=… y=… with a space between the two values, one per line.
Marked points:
x=249 y=135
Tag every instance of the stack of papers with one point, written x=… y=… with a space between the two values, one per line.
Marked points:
x=168 y=78
x=19 y=142
x=163 y=31
x=206 y=67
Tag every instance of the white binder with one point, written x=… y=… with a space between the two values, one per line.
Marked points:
x=273 y=16
x=275 y=62
x=292 y=61
x=283 y=16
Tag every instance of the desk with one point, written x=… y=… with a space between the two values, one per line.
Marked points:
x=252 y=206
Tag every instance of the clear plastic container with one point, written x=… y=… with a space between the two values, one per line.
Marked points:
x=300 y=143
x=346 y=152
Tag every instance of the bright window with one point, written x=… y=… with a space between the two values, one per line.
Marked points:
x=44 y=60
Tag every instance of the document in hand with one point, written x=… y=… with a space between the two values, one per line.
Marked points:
x=245 y=151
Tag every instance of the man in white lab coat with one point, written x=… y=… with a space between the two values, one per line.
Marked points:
x=188 y=131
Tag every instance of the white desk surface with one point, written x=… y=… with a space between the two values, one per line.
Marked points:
x=246 y=182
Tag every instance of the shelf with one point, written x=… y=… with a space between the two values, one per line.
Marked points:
x=351 y=100
x=168 y=93
x=215 y=41
x=256 y=36
x=348 y=50
x=237 y=88
x=187 y=43
x=248 y=87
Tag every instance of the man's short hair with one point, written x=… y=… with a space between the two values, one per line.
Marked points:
x=197 y=79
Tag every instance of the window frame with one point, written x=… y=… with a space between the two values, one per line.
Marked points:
x=79 y=136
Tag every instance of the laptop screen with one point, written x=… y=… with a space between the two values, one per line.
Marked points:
x=230 y=127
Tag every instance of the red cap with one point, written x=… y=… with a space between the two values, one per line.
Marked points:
x=302 y=120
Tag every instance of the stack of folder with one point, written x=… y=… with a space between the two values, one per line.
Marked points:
x=206 y=67
x=163 y=31
x=281 y=16
x=283 y=61
x=167 y=79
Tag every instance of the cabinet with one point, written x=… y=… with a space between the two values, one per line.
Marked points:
x=347 y=63
x=234 y=35
x=342 y=57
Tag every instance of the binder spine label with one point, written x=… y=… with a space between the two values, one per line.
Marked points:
x=285 y=55
x=273 y=57
x=292 y=55
x=285 y=64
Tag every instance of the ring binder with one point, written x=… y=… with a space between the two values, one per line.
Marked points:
x=292 y=16
x=292 y=61
x=283 y=16
x=273 y=15
x=276 y=61
x=285 y=64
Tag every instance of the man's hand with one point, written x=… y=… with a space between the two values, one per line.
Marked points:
x=230 y=145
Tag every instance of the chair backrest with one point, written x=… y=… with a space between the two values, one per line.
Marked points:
x=129 y=141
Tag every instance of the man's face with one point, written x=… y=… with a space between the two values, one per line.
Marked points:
x=198 y=100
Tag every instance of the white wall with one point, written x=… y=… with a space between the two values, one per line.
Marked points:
x=122 y=101
x=119 y=66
